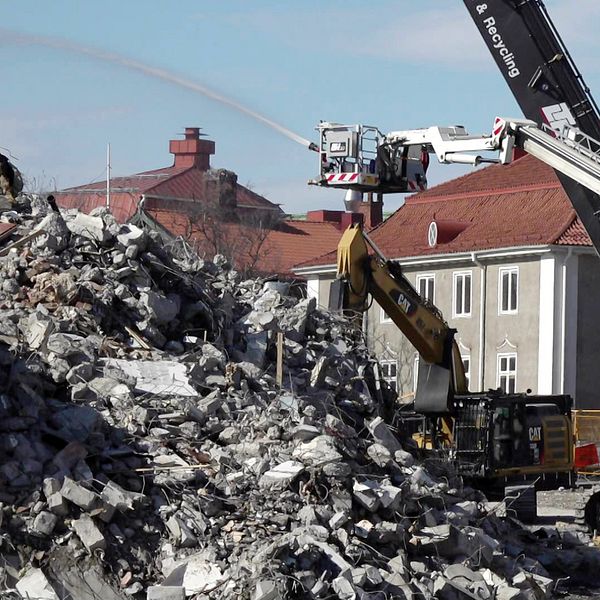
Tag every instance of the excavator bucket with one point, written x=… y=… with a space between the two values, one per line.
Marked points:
x=337 y=292
x=433 y=389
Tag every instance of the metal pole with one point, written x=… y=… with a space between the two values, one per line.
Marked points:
x=279 y=372
x=108 y=176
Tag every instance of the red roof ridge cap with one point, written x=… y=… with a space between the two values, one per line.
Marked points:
x=312 y=262
x=563 y=229
x=172 y=176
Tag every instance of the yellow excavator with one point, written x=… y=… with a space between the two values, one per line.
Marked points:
x=506 y=444
x=501 y=440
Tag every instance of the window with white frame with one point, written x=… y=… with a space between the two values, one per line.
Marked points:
x=389 y=372
x=508 y=290
x=466 y=361
x=506 y=378
x=383 y=317
x=415 y=373
x=461 y=296
x=426 y=286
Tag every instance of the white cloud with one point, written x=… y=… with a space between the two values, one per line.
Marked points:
x=407 y=32
x=442 y=37
x=396 y=31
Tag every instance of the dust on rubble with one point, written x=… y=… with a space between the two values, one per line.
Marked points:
x=149 y=451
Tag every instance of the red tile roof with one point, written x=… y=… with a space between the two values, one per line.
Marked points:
x=270 y=252
x=298 y=241
x=574 y=235
x=168 y=184
x=522 y=173
x=500 y=206
x=173 y=195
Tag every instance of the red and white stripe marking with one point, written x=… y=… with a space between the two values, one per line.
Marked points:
x=499 y=125
x=342 y=177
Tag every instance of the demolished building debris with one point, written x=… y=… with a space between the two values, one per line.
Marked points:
x=147 y=450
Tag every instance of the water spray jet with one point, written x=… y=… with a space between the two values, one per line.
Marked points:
x=152 y=71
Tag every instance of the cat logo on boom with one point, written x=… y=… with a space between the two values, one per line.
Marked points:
x=406 y=305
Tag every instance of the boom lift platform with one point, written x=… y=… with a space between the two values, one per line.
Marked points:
x=361 y=158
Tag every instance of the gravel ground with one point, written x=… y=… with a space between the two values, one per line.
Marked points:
x=557 y=507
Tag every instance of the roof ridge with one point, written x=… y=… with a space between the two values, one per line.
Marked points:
x=171 y=177
x=568 y=223
x=313 y=260
x=152 y=172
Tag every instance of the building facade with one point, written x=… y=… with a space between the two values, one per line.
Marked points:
x=502 y=254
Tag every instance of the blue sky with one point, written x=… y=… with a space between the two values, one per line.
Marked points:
x=394 y=64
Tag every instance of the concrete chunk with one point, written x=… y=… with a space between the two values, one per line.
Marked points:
x=44 y=523
x=90 y=227
x=382 y=435
x=366 y=494
x=121 y=499
x=165 y=592
x=266 y=590
x=89 y=534
x=282 y=475
x=181 y=532
x=50 y=486
x=380 y=455
x=130 y=235
x=35 y=585
x=78 y=495
x=317 y=452
x=58 y=505
x=343 y=588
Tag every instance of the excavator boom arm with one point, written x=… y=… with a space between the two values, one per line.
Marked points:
x=366 y=275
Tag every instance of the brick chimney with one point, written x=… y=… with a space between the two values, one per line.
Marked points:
x=192 y=151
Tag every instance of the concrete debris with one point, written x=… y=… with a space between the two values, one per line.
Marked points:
x=34 y=584
x=89 y=533
x=148 y=452
x=171 y=592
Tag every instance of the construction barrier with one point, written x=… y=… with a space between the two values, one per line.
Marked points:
x=586 y=427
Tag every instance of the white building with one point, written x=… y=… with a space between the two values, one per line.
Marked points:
x=503 y=255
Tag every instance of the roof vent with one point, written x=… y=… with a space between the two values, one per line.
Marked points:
x=432 y=234
x=444 y=231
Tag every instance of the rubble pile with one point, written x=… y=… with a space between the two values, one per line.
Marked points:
x=148 y=449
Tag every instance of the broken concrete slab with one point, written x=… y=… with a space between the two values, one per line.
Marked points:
x=89 y=227
x=317 y=452
x=44 y=523
x=282 y=475
x=84 y=584
x=34 y=584
x=382 y=435
x=78 y=495
x=163 y=592
x=164 y=378
x=89 y=534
